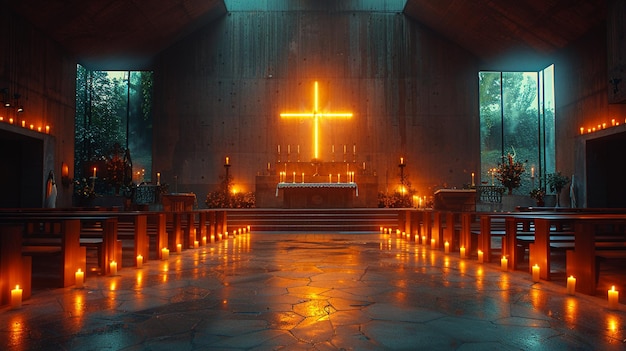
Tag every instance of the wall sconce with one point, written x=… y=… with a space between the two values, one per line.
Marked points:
x=5 y=97
x=65 y=175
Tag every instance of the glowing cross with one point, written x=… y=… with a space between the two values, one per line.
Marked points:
x=316 y=115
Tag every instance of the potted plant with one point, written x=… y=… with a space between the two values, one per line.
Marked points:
x=538 y=194
x=556 y=181
x=509 y=172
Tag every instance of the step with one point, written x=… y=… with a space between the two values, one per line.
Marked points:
x=345 y=220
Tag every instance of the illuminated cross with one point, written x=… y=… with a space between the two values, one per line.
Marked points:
x=316 y=115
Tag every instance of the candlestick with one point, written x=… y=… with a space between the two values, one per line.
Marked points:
x=165 y=254
x=504 y=263
x=473 y=184
x=16 y=297
x=113 y=267
x=139 y=261
x=227 y=160
x=401 y=160
x=613 y=298
x=536 y=271
x=571 y=285
x=462 y=251
x=80 y=278
x=480 y=256
x=158 y=178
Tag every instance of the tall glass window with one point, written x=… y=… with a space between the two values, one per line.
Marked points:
x=517 y=117
x=113 y=120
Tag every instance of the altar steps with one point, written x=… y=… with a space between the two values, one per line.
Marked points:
x=344 y=220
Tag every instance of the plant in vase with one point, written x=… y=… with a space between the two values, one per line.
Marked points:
x=509 y=172
x=556 y=181
x=538 y=194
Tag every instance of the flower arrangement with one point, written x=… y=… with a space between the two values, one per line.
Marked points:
x=509 y=172
x=538 y=194
x=557 y=181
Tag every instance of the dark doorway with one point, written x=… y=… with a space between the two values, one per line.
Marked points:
x=606 y=171
x=21 y=169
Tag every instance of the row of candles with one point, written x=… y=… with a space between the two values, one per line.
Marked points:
x=282 y=177
x=345 y=149
x=79 y=275
x=613 y=295
x=24 y=124
x=614 y=123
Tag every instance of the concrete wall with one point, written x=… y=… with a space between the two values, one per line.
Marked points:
x=45 y=77
x=220 y=93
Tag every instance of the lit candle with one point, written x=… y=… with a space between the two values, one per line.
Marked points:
x=363 y=165
x=80 y=278
x=268 y=166
x=113 y=267
x=227 y=160
x=248 y=229
x=473 y=179
x=338 y=178
x=354 y=149
x=196 y=244
x=344 y=148
x=480 y=256
x=381 y=230
x=279 y=149
x=571 y=285
x=139 y=261
x=432 y=243
x=504 y=263
x=226 y=235
x=298 y=149
x=16 y=297
x=302 y=177
x=446 y=247
x=39 y=129
x=47 y=129
x=23 y=124
x=294 y=177
x=288 y=148
x=462 y=250
x=219 y=236
x=582 y=130
x=330 y=178
x=165 y=254
x=536 y=271
x=332 y=147
x=204 y=240
x=158 y=178
x=612 y=122
x=94 y=172
x=11 y=120
x=613 y=298
x=179 y=248
x=32 y=126
x=423 y=239
x=212 y=238
x=532 y=172
x=401 y=160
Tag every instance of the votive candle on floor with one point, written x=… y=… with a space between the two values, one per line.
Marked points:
x=139 y=261
x=613 y=298
x=165 y=253
x=204 y=241
x=113 y=267
x=446 y=247
x=481 y=256
x=196 y=244
x=462 y=251
x=571 y=285
x=179 y=248
x=16 y=297
x=80 y=278
x=504 y=263
x=432 y=243
x=536 y=271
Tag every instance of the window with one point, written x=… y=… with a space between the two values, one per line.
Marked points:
x=517 y=116
x=113 y=114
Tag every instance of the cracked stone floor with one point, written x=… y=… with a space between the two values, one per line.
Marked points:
x=313 y=291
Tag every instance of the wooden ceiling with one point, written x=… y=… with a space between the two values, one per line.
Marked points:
x=127 y=34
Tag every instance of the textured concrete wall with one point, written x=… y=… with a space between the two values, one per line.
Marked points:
x=45 y=76
x=220 y=92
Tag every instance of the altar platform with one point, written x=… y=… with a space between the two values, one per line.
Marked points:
x=318 y=195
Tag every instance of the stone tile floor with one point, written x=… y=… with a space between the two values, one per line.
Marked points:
x=313 y=291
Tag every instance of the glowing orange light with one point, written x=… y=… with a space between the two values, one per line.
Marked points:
x=316 y=115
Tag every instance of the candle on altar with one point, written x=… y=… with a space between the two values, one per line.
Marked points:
x=16 y=297
x=582 y=130
x=354 y=149
x=344 y=149
x=279 y=149
x=165 y=254
x=94 y=172
x=473 y=183
x=179 y=248
x=462 y=251
x=294 y=177
x=338 y=178
x=302 y=177
x=113 y=267
x=288 y=148
x=10 y=120
x=298 y=149
x=571 y=285
x=39 y=129
x=446 y=247
x=363 y=165
x=47 y=129
x=332 y=148
x=330 y=178
x=401 y=160
x=79 y=276
x=536 y=271
x=504 y=263
x=196 y=244
x=613 y=298
x=268 y=167
x=158 y=178
x=481 y=256
x=139 y=261
x=227 y=160
x=532 y=172
x=23 y=124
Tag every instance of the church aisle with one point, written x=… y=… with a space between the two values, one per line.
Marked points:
x=313 y=291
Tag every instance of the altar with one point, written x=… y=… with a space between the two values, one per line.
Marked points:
x=455 y=199
x=318 y=195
